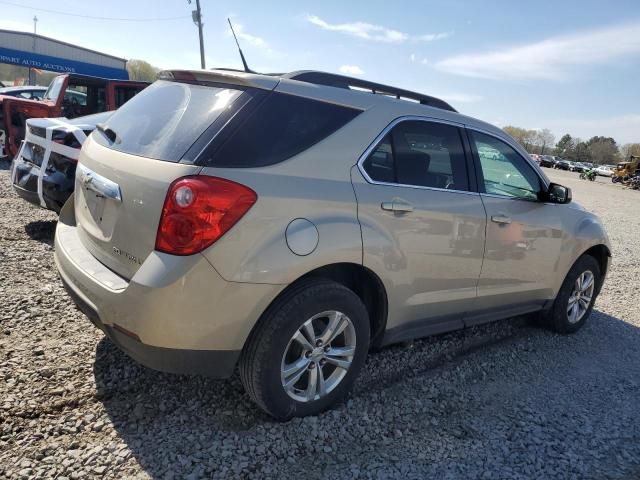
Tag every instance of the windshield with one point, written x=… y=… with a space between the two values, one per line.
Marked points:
x=53 y=91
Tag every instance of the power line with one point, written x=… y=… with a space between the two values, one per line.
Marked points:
x=117 y=19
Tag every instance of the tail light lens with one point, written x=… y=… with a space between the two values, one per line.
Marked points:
x=199 y=210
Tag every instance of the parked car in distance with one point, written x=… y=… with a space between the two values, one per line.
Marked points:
x=578 y=167
x=605 y=170
x=586 y=166
x=68 y=96
x=562 y=164
x=29 y=92
x=547 y=161
x=44 y=170
x=190 y=246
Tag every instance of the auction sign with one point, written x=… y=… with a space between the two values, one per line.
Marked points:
x=59 y=65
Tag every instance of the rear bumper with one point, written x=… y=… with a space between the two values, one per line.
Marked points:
x=176 y=314
x=211 y=363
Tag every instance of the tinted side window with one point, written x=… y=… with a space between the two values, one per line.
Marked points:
x=279 y=128
x=124 y=94
x=420 y=153
x=504 y=171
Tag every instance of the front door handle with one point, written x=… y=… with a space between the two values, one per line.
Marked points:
x=397 y=206
x=502 y=219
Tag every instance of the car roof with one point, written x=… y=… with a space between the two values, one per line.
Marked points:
x=340 y=89
x=21 y=88
x=320 y=78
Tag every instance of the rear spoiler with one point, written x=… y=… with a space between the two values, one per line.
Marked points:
x=227 y=77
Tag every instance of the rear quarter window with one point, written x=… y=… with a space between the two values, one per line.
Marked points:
x=278 y=128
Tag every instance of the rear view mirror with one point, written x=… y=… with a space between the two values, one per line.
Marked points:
x=558 y=194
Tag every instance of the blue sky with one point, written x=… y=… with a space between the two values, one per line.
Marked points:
x=571 y=66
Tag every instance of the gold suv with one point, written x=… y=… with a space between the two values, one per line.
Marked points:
x=286 y=224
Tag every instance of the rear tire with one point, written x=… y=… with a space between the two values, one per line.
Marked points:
x=576 y=297
x=283 y=349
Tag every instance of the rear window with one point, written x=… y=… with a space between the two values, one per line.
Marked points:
x=165 y=119
x=280 y=127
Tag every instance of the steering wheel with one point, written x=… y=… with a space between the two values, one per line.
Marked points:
x=75 y=107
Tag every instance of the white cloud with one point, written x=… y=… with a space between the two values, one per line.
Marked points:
x=369 y=31
x=430 y=37
x=351 y=70
x=249 y=38
x=419 y=59
x=550 y=59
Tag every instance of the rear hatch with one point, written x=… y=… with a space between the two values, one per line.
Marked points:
x=127 y=165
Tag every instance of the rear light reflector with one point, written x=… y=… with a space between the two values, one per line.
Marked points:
x=198 y=210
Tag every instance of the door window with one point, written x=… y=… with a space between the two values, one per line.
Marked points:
x=419 y=153
x=124 y=94
x=504 y=171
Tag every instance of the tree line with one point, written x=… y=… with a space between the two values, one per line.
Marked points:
x=598 y=149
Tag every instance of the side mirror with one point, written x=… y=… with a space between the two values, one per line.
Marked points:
x=558 y=194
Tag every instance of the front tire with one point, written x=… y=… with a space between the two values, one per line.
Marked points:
x=576 y=297
x=307 y=350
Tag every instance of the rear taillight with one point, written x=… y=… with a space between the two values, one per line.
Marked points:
x=198 y=210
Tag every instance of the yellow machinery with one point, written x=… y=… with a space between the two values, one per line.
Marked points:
x=625 y=170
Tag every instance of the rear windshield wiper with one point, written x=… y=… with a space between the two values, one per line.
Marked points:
x=107 y=132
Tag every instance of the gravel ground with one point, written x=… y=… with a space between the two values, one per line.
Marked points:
x=505 y=400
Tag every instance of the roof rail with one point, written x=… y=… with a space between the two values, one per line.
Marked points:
x=350 y=83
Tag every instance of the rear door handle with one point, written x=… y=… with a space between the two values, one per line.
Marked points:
x=396 y=206
x=502 y=219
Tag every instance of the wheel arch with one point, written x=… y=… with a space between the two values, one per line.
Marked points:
x=357 y=278
x=602 y=255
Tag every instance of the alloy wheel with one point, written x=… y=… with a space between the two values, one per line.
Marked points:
x=581 y=296
x=318 y=356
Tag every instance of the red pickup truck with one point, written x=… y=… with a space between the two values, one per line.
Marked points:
x=69 y=96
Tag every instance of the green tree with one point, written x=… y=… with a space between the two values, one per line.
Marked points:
x=629 y=149
x=603 y=150
x=565 y=147
x=141 y=71
x=526 y=138
x=544 y=139
x=581 y=152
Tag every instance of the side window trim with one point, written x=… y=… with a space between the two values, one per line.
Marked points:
x=478 y=167
x=473 y=189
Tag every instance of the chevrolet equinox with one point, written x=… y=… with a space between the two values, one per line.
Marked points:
x=287 y=224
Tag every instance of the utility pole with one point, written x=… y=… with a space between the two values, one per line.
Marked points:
x=32 y=74
x=197 y=19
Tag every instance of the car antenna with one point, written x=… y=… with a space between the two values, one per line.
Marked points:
x=244 y=62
